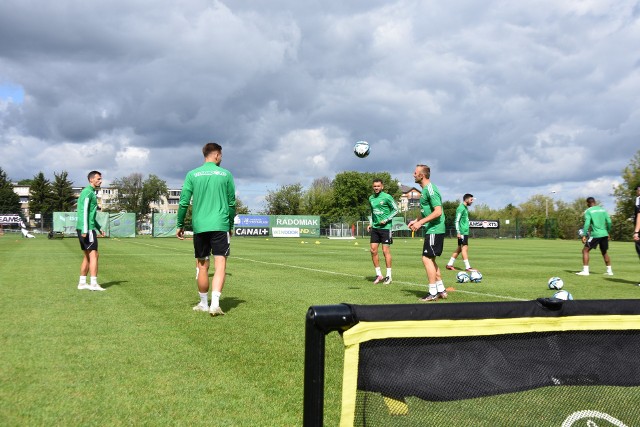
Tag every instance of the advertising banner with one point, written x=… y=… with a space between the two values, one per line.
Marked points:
x=65 y=222
x=120 y=224
x=251 y=232
x=10 y=219
x=295 y=226
x=164 y=224
x=484 y=223
x=251 y=221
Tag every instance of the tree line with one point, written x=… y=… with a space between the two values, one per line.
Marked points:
x=343 y=199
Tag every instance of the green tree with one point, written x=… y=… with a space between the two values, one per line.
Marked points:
x=318 y=199
x=241 y=208
x=287 y=200
x=449 y=210
x=351 y=191
x=41 y=196
x=625 y=194
x=153 y=189
x=136 y=196
x=63 y=199
x=9 y=200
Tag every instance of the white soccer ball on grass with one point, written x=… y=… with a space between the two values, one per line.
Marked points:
x=463 y=277
x=563 y=295
x=555 y=283
x=475 y=276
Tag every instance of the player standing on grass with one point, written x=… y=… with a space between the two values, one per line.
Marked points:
x=598 y=220
x=462 y=229
x=87 y=227
x=383 y=209
x=434 y=229
x=214 y=207
x=636 y=230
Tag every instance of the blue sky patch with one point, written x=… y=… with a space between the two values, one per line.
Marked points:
x=11 y=92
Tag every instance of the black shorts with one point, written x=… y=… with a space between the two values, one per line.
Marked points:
x=380 y=235
x=433 y=244
x=638 y=247
x=216 y=243
x=593 y=242
x=89 y=242
x=463 y=241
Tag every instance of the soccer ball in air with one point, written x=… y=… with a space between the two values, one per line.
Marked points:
x=475 y=277
x=563 y=295
x=462 y=277
x=361 y=149
x=555 y=283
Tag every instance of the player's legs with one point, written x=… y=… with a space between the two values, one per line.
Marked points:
x=431 y=269
x=386 y=251
x=220 y=265
x=84 y=266
x=375 y=240
x=93 y=263
x=202 y=278
x=433 y=244
x=374 y=254
x=454 y=257
x=585 y=260
x=89 y=264
x=220 y=249
x=604 y=247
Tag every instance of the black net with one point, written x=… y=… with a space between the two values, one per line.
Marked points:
x=534 y=363
x=538 y=379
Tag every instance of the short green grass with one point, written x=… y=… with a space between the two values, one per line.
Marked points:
x=138 y=355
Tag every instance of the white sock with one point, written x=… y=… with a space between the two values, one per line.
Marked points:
x=451 y=261
x=440 y=286
x=83 y=280
x=378 y=272
x=467 y=264
x=432 y=289
x=94 y=280
x=215 y=299
x=203 y=299
x=389 y=273
x=585 y=268
x=609 y=269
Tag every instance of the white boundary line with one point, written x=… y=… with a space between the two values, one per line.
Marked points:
x=337 y=273
x=362 y=277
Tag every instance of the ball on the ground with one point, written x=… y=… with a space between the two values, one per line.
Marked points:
x=361 y=149
x=563 y=295
x=555 y=283
x=462 y=277
x=475 y=277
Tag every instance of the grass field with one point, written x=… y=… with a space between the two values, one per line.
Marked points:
x=138 y=355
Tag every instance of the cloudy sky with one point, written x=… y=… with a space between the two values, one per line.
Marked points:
x=503 y=99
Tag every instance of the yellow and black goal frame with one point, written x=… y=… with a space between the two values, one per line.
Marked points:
x=458 y=352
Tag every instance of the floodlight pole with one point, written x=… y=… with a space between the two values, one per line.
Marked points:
x=320 y=321
x=546 y=205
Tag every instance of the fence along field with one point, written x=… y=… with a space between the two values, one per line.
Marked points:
x=138 y=353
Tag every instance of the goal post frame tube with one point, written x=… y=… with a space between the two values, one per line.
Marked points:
x=320 y=321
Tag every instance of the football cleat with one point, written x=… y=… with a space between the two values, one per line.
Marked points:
x=429 y=298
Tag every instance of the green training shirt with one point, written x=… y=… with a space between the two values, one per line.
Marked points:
x=462 y=219
x=214 y=199
x=599 y=221
x=429 y=199
x=87 y=210
x=383 y=208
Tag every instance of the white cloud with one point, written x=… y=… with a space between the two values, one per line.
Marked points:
x=507 y=98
